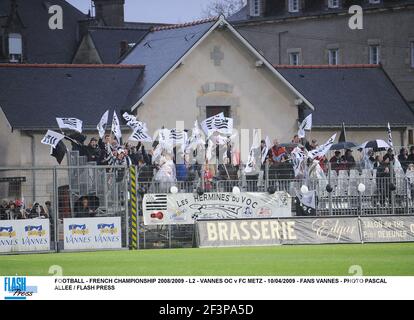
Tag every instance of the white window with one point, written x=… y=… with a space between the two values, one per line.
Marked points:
x=293 y=5
x=333 y=4
x=15 y=47
x=412 y=54
x=374 y=54
x=333 y=57
x=255 y=8
x=294 y=58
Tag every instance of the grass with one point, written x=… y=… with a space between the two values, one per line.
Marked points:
x=329 y=260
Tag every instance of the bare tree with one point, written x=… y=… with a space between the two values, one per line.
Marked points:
x=223 y=7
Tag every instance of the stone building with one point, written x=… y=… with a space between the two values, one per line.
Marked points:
x=317 y=32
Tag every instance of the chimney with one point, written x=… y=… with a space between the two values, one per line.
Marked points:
x=123 y=48
x=110 y=12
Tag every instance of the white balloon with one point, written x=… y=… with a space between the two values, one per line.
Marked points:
x=236 y=190
x=362 y=188
x=174 y=190
x=304 y=189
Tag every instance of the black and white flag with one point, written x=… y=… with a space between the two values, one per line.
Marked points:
x=70 y=123
x=102 y=124
x=390 y=136
x=218 y=123
x=134 y=123
x=306 y=203
x=52 y=138
x=179 y=137
x=116 y=127
x=140 y=135
x=305 y=125
x=299 y=162
x=254 y=159
x=265 y=151
x=323 y=149
x=195 y=139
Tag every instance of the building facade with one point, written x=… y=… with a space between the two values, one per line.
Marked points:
x=317 y=32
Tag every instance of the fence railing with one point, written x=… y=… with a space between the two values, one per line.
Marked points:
x=68 y=193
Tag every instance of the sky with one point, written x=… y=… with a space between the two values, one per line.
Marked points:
x=170 y=11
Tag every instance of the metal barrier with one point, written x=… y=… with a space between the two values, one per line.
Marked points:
x=84 y=191
x=67 y=196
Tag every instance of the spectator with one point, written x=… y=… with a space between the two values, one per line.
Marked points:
x=94 y=153
x=311 y=146
x=410 y=158
x=295 y=139
x=349 y=160
x=336 y=161
x=383 y=182
x=85 y=210
x=403 y=158
x=277 y=152
x=145 y=171
x=37 y=211
x=3 y=208
x=377 y=162
x=389 y=156
x=285 y=170
x=208 y=174
x=410 y=178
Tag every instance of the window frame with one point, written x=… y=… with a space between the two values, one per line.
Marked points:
x=294 y=6
x=330 y=60
x=333 y=4
x=299 y=58
x=377 y=55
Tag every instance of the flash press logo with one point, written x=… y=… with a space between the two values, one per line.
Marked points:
x=16 y=288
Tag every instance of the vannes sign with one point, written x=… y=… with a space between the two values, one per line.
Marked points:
x=186 y=208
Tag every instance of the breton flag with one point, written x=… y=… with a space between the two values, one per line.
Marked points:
x=323 y=149
x=299 y=161
x=265 y=151
x=305 y=125
x=116 y=128
x=255 y=153
x=195 y=139
x=102 y=124
x=140 y=135
x=70 y=123
x=52 y=138
x=390 y=136
x=133 y=123
x=306 y=203
x=218 y=123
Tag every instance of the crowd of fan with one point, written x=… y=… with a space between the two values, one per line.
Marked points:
x=109 y=152
x=16 y=210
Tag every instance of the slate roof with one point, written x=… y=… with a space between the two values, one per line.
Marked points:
x=357 y=95
x=108 y=40
x=276 y=10
x=32 y=96
x=163 y=47
x=43 y=44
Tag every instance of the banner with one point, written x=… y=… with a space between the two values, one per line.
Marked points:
x=295 y=231
x=92 y=233
x=267 y=232
x=24 y=235
x=186 y=208
x=388 y=229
